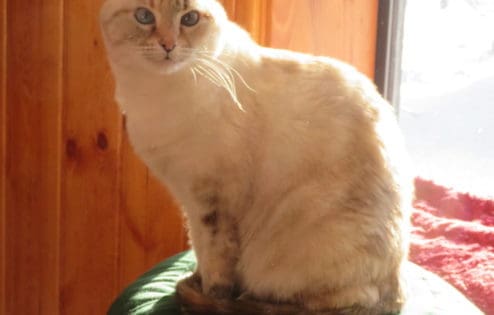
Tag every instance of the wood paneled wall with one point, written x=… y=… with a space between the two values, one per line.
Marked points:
x=344 y=29
x=3 y=106
x=80 y=215
x=253 y=15
x=34 y=99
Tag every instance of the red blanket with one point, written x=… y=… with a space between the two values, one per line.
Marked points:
x=453 y=236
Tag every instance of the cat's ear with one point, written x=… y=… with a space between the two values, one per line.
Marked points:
x=214 y=8
x=105 y=16
x=106 y=11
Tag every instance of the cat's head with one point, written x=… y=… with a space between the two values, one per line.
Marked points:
x=162 y=36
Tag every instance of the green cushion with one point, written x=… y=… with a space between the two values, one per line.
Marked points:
x=152 y=294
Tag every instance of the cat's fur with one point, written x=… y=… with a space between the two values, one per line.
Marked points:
x=290 y=168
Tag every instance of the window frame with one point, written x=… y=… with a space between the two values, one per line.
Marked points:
x=389 y=48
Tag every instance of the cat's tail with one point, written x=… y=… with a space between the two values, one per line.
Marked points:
x=193 y=302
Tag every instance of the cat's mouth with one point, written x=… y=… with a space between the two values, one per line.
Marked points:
x=163 y=61
x=168 y=64
x=168 y=57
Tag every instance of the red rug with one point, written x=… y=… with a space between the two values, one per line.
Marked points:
x=453 y=236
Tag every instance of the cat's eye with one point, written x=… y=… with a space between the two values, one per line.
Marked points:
x=191 y=18
x=144 y=16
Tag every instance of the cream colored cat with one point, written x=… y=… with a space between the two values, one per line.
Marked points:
x=289 y=167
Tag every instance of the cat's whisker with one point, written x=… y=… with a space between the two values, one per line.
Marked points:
x=217 y=78
x=227 y=73
x=194 y=74
x=150 y=51
x=226 y=79
x=233 y=72
x=204 y=52
x=208 y=75
x=217 y=73
x=232 y=69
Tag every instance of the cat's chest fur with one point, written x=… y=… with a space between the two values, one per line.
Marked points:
x=182 y=131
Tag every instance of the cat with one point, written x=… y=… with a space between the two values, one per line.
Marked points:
x=290 y=168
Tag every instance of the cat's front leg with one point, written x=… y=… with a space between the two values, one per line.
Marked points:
x=214 y=236
x=215 y=243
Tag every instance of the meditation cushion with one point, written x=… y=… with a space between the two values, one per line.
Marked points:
x=153 y=293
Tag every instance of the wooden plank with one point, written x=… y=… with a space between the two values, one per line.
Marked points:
x=3 y=105
x=91 y=136
x=252 y=15
x=229 y=6
x=34 y=70
x=344 y=29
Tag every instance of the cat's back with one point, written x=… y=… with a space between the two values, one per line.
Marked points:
x=324 y=114
x=323 y=94
x=298 y=84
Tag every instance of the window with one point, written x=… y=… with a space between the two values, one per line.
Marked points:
x=446 y=95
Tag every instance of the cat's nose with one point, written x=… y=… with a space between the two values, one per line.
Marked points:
x=168 y=47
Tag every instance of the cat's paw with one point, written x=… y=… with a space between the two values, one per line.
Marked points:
x=216 y=291
x=221 y=292
x=194 y=281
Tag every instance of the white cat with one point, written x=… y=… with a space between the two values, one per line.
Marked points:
x=290 y=168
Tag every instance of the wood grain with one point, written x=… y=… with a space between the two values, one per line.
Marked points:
x=252 y=15
x=91 y=136
x=34 y=70
x=3 y=107
x=344 y=29
x=229 y=6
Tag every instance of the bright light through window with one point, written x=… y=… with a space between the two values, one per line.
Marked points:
x=447 y=92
